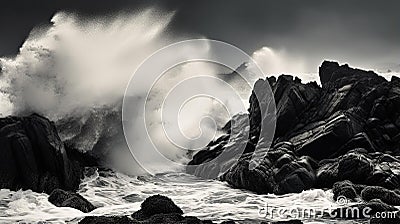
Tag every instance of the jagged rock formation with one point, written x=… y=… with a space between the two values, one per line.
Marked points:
x=346 y=129
x=32 y=156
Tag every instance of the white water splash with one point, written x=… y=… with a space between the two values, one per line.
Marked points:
x=119 y=194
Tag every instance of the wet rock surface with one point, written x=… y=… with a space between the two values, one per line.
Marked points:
x=161 y=209
x=375 y=203
x=32 y=156
x=61 y=198
x=280 y=171
x=155 y=209
x=156 y=204
x=347 y=128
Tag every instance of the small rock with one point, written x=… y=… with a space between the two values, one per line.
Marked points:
x=61 y=198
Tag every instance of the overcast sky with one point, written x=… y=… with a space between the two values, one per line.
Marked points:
x=361 y=32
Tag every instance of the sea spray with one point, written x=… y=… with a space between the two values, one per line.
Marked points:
x=75 y=72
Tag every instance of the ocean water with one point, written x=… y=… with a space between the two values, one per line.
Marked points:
x=118 y=194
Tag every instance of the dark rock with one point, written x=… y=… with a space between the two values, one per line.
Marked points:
x=326 y=70
x=108 y=220
x=343 y=128
x=61 y=198
x=280 y=172
x=333 y=73
x=344 y=189
x=208 y=163
x=392 y=218
x=172 y=218
x=324 y=139
x=360 y=167
x=375 y=192
x=228 y=222
x=355 y=167
x=156 y=204
x=155 y=209
x=291 y=98
x=33 y=156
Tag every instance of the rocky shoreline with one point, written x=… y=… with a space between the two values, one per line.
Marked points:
x=347 y=129
x=344 y=135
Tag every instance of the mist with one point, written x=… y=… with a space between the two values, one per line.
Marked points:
x=77 y=69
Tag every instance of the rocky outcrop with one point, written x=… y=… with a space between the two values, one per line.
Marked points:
x=346 y=129
x=32 y=156
x=280 y=171
x=61 y=198
x=375 y=169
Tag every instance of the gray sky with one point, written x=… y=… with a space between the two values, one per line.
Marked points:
x=364 y=33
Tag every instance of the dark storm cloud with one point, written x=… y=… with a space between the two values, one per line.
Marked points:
x=359 y=31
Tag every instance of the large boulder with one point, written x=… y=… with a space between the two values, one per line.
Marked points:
x=32 y=156
x=156 y=204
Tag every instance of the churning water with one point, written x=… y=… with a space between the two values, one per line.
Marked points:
x=118 y=194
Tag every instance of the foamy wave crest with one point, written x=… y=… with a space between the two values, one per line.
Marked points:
x=79 y=63
x=75 y=72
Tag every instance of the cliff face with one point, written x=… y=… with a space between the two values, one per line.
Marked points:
x=32 y=156
x=349 y=128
